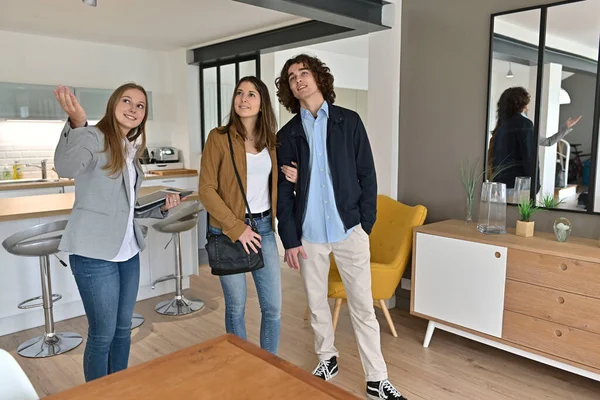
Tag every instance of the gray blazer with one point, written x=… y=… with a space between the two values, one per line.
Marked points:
x=98 y=222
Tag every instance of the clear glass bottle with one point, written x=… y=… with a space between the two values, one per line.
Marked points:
x=492 y=208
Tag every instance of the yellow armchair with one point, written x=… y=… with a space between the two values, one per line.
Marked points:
x=391 y=247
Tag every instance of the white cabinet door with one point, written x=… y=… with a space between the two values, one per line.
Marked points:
x=460 y=282
x=187 y=183
x=5 y=194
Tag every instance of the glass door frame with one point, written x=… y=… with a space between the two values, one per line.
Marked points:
x=218 y=64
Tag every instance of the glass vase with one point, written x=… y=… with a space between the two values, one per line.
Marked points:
x=492 y=208
x=522 y=189
x=469 y=210
x=562 y=229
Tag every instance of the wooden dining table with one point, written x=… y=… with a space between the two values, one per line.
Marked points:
x=225 y=367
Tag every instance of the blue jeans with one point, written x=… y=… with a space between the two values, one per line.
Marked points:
x=268 y=288
x=108 y=291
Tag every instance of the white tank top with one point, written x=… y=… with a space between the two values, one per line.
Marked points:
x=257 y=181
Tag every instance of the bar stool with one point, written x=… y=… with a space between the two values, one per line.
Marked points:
x=138 y=319
x=27 y=243
x=183 y=218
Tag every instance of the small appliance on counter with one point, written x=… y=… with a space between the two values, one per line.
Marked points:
x=166 y=154
x=160 y=155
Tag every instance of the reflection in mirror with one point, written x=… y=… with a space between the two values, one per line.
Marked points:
x=513 y=81
x=567 y=107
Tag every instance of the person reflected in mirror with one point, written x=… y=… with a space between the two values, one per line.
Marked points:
x=102 y=237
x=511 y=149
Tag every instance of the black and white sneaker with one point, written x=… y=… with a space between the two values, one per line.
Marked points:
x=383 y=390
x=326 y=369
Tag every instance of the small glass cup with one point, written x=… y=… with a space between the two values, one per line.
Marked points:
x=562 y=229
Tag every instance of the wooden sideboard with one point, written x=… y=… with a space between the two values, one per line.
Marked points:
x=535 y=297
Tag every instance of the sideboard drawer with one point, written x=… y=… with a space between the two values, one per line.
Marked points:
x=553 y=305
x=561 y=273
x=552 y=338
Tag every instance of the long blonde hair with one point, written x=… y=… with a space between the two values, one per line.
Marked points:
x=113 y=138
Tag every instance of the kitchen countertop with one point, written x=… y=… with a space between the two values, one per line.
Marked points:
x=46 y=205
x=69 y=182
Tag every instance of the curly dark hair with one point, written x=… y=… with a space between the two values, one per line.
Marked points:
x=512 y=102
x=320 y=71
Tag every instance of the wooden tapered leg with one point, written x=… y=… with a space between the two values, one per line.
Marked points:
x=336 y=312
x=388 y=317
x=306 y=313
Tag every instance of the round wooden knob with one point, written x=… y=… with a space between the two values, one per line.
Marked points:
x=497 y=254
x=558 y=333
x=563 y=266
x=560 y=300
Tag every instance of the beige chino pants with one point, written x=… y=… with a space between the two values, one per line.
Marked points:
x=352 y=257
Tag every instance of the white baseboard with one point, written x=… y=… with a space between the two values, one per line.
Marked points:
x=405 y=284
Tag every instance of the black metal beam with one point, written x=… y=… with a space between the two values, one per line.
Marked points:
x=362 y=15
x=296 y=35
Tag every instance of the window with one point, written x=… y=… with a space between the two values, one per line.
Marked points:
x=217 y=83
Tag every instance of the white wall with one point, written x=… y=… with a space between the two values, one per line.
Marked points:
x=384 y=100
x=350 y=72
x=52 y=61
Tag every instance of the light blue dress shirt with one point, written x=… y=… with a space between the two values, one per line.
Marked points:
x=322 y=222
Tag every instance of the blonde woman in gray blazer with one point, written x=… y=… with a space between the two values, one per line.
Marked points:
x=102 y=235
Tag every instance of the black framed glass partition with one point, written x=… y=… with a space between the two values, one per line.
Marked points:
x=543 y=105
x=217 y=82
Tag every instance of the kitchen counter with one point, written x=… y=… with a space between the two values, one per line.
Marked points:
x=47 y=205
x=21 y=275
x=50 y=183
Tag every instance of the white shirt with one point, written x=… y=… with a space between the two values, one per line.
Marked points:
x=129 y=247
x=257 y=181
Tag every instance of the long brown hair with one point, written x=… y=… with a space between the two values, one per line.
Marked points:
x=512 y=102
x=113 y=138
x=320 y=71
x=266 y=123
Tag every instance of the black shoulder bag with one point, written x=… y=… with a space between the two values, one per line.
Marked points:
x=224 y=256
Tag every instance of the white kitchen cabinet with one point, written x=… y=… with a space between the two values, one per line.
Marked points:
x=5 y=194
x=460 y=282
x=186 y=183
x=29 y=102
x=94 y=101
x=162 y=166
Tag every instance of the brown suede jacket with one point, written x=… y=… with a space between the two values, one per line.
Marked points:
x=218 y=186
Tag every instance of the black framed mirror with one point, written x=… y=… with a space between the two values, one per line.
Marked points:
x=544 y=105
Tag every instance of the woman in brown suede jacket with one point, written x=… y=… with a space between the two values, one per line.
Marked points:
x=252 y=126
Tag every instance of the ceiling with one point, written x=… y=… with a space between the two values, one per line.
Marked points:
x=577 y=22
x=152 y=24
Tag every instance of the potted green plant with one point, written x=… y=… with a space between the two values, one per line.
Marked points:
x=526 y=227
x=470 y=175
x=549 y=201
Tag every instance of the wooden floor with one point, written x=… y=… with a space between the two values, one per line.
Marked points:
x=451 y=368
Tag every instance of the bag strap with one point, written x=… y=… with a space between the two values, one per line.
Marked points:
x=237 y=175
x=238 y=178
